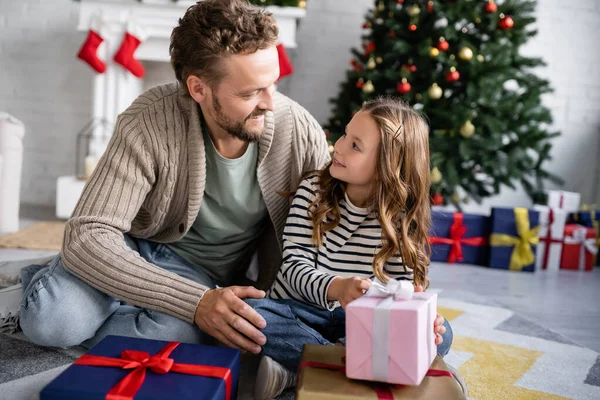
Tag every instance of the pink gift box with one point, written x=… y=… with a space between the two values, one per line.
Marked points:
x=391 y=340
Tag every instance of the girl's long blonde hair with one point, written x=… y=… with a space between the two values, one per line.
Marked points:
x=400 y=197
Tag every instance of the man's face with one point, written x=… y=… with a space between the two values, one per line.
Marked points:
x=239 y=102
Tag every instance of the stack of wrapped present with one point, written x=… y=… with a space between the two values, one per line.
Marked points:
x=390 y=351
x=555 y=236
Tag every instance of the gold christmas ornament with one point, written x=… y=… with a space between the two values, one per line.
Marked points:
x=368 y=87
x=435 y=92
x=331 y=149
x=465 y=54
x=418 y=97
x=480 y=58
x=455 y=198
x=302 y=4
x=371 y=63
x=434 y=52
x=379 y=60
x=414 y=10
x=380 y=6
x=436 y=176
x=467 y=129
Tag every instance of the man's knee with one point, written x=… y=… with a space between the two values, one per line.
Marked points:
x=59 y=310
x=58 y=329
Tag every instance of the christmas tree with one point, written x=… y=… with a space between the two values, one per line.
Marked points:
x=459 y=63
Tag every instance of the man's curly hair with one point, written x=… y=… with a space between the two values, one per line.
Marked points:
x=211 y=30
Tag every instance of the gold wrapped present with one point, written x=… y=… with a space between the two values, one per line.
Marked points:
x=322 y=376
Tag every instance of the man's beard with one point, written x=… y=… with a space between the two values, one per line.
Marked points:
x=237 y=129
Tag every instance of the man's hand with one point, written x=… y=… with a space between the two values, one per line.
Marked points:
x=438 y=325
x=347 y=290
x=225 y=316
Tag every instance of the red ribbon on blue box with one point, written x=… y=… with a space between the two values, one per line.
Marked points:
x=456 y=240
x=160 y=363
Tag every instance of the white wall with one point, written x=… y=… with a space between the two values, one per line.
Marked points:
x=43 y=84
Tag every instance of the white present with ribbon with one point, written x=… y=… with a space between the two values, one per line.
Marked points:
x=568 y=201
x=579 y=249
x=389 y=334
x=552 y=231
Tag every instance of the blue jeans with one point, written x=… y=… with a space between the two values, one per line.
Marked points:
x=291 y=324
x=60 y=310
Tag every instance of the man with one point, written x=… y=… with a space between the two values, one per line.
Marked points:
x=184 y=198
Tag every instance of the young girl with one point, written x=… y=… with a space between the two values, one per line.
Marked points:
x=365 y=215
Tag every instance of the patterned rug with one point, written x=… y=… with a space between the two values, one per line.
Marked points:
x=500 y=354
x=41 y=236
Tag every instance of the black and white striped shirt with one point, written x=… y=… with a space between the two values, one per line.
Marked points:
x=347 y=250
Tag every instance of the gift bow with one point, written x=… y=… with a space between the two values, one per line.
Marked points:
x=522 y=255
x=579 y=237
x=397 y=290
x=457 y=232
x=383 y=391
x=159 y=363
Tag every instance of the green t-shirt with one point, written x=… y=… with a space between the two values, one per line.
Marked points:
x=232 y=215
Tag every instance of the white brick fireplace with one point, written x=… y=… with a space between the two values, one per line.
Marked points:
x=114 y=90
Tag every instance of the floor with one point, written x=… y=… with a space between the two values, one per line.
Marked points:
x=567 y=302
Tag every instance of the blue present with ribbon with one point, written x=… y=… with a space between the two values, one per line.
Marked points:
x=459 y=238
x=123 y=368
x=514 y=239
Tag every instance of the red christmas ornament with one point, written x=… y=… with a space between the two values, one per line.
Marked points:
x=430 y=6
x=369 y=48
x=491 y=7
x=409 y=67
x=443 y=45
x=437 y=199
x=365 y=25
x=360 y=83
x=403 y=87
x=506 y=23
x=412 y=27
x=453 y=75
x=355 y=65
x=399 y=1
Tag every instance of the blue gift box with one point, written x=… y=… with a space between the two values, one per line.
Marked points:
x=584 y=218
x=504 y=224
x=94 y=382
x=477 y=226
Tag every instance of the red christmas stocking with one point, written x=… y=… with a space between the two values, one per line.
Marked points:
x=124 y=56
x=285 y=65
x=89 y=48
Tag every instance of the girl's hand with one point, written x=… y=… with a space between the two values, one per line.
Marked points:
x=438 y=326
x=347 y=290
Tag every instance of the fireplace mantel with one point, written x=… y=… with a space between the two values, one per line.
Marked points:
x=114 y=90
